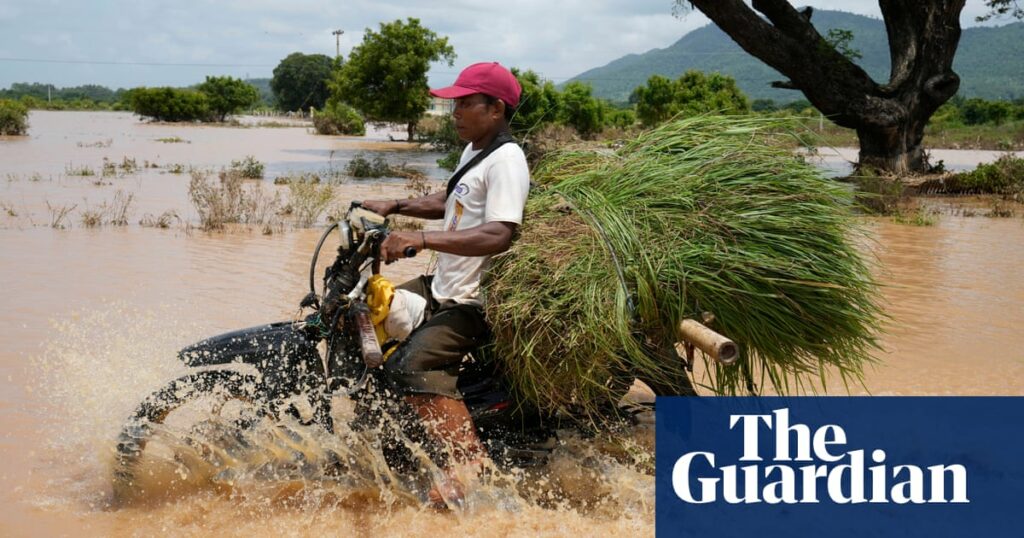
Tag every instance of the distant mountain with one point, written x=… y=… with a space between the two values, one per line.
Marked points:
x=989 y=60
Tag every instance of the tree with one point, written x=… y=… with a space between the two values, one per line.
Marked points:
x=764 y=105
x=539 y=103
x=655 y=101
x=169 y=104
x=999 y=8
x=979 y=111
x=581 y=110
x=841 y=39
x=300 y=81
x=337 y=118
x=692 y=93
x=227 y=95
x=385 y=77
x=889 y=117
x=620 y=118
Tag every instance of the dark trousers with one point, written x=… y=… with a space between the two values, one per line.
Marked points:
x=428 y=361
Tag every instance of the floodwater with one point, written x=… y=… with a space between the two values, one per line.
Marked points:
x=838 y=162
x=92 y=318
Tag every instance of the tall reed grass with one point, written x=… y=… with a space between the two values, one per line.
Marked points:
x=702 y=214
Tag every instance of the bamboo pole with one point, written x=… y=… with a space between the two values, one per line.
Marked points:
x=711 y=343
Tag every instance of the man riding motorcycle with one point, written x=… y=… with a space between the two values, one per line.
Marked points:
x=481 y=207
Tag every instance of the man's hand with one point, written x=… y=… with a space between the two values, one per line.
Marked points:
x=394 y=246
x=381 y=207
x=430 y=206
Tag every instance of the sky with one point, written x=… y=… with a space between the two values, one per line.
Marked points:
x=128 y=43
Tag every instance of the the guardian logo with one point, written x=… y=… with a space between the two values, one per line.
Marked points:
x=809 y=467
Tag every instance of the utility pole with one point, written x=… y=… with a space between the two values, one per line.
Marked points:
x=337 y=42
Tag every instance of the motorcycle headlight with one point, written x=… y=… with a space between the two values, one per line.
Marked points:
x=345 y=236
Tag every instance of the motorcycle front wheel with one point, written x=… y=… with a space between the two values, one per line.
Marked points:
x=216 y=388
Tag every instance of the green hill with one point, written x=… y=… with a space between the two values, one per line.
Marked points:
x=263 y=85
x=990 y=60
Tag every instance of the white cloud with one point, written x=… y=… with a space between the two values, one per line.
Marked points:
x=8 y=12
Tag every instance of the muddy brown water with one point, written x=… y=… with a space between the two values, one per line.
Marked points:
x=92 y=317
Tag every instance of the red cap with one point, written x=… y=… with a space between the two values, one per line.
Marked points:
x=489 y=78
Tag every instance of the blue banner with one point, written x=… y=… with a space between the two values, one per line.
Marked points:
x=838 y=466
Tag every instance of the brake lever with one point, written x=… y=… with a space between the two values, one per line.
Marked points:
x=409 y=252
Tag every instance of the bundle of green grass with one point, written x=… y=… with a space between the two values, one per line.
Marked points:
x=706 y=214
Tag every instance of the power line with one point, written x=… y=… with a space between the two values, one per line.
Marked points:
x=176 y=64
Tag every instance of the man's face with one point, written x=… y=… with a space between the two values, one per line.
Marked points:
x=475 y=119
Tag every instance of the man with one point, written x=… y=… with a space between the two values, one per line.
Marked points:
x=481 y=208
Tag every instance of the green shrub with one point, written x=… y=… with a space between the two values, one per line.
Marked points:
x=362 y=167
x=619 y=118
x=13 y=118
x=339 y=119
x=439 y=132
x=170 y=104
x=580 y=110
x=979 y=111
x=450 y=160
x=1004 y=176
x=248 y=168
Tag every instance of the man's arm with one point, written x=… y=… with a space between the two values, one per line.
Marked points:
x=430 y=206
x=487 y=239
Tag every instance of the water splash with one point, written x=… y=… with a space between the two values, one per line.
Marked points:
x=203 y=474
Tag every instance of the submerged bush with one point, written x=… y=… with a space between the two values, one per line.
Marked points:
x=339 y=119
x=248 y=168
x=230 y=200
x=170 y=104
x=1004 y=176
x=307 y=201
x=440 y=134
x=362 y=167
x=13 y=117
x=917 y=216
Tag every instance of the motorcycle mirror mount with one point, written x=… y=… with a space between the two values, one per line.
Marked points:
x=310 y=300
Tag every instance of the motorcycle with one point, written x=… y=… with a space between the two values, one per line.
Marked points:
x=294 y=380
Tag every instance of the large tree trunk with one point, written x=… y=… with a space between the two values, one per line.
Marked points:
x=898 y=150
x=890 y=151
x=889 y=118
x=411 y=129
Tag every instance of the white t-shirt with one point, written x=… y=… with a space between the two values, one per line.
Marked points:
x=492 y=191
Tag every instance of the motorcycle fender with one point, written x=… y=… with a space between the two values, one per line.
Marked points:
x=279 y=343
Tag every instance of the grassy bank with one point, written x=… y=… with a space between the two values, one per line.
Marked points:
x=1005 y=137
